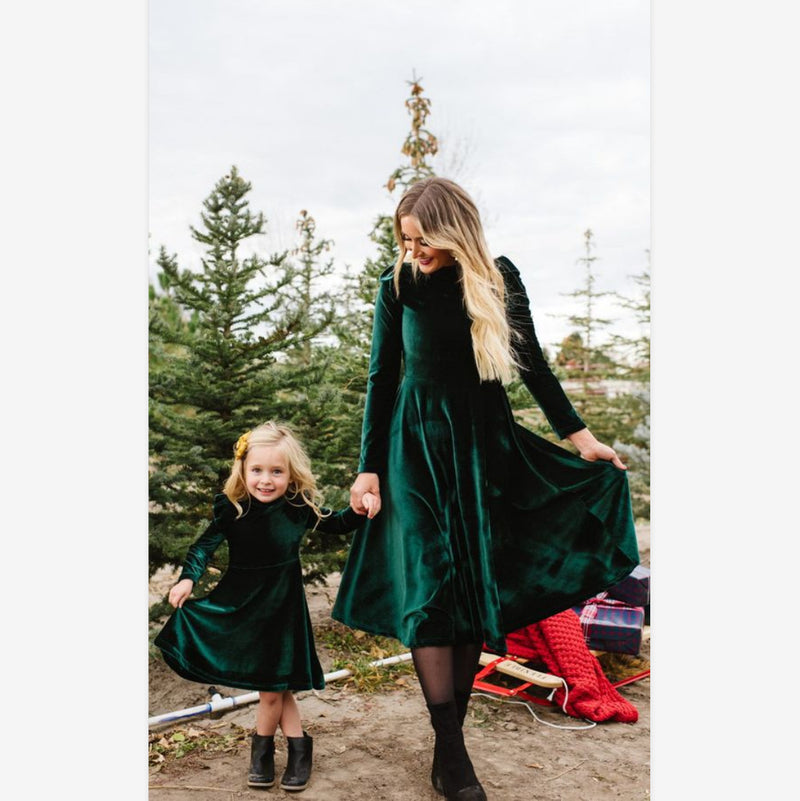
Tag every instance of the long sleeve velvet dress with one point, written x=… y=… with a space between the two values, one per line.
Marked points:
x=484 y=526
x=253 y=629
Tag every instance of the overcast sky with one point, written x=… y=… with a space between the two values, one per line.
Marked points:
x=542 y=112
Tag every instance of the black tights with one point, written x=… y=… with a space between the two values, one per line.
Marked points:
x=446 y=671
x=446 y=674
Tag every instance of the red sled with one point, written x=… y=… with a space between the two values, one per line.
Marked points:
x=576 y=681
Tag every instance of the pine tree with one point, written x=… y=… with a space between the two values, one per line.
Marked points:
x=634 y=445
x=312 y=300
x=636 y=350
x=419 y=145
x=589 y=362
x=582 y=359
x=318 y=405
x=219 y=376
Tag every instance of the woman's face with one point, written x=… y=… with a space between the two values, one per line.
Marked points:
x=429 y=259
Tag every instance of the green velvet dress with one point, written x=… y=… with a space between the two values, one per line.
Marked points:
x=253 y=629
x=484 y=527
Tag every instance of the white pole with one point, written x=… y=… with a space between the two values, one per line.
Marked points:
x=218 y=704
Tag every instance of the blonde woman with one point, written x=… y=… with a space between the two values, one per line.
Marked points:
x=484 y=526
x=253 y=629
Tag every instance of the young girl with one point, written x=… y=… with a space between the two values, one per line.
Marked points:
x=484 y=527
x=253 y=629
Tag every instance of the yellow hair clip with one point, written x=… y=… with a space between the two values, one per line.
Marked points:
x=241 y=445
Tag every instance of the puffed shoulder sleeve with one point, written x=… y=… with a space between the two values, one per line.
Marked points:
x=383 y=377
x=534 y=370
x=203 y=549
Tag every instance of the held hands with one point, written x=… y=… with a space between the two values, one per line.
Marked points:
x=365 y=494
x=592 y=449
x=372 y=503
x=180 y=592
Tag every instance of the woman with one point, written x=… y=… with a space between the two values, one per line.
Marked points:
x=485 y=527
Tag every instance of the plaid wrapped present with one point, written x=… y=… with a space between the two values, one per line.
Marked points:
x=634 y=589
x=611 y=625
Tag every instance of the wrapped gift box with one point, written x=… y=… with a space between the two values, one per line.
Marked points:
x=611 y=625
x=634 y=589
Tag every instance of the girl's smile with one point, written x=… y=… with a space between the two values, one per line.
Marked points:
x=266 y=473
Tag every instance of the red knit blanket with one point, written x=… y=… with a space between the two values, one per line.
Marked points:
x=558 y=642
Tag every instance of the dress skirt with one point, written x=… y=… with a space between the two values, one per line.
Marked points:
x=251 y=631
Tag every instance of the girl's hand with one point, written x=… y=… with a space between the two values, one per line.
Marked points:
x=592 y=449
x=365 y=483
x=372 y=503
x=180 y=592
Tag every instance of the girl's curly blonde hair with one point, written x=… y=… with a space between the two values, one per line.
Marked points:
x=302 y=484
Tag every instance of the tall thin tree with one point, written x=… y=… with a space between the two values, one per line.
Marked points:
x=213 y=381
x=591 y=361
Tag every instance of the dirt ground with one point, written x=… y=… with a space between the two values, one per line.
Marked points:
x=377 y=746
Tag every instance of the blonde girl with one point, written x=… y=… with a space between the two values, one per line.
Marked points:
x=484 y=527
x=253 y=630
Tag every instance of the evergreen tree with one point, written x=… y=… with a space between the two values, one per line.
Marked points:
x=588 y=362
x=419 y=145
x=220 y=376
x=313 y=302
x=318 y=407
x=585 y=365
x=634 y=445
x=636 y=350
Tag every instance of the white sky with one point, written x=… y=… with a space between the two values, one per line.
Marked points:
x=542 y=111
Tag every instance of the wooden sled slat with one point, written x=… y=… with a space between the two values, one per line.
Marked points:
x=511 y=667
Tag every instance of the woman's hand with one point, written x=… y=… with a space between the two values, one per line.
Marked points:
x=366 y=483
x=592 y=449
x=180 y=592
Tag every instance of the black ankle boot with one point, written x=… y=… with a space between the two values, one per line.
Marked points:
x=462 y=702
x=451 y=760
x=298 y=765
x=262 y=761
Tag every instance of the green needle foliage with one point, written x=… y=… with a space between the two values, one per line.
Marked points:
x=219 y=372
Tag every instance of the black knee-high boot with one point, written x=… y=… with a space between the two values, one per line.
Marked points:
x=450 y=755
x=298 y=764
x=262 y=761
x=462 y=702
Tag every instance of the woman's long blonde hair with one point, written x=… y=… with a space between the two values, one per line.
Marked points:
x=449 y=220
x=302 y=484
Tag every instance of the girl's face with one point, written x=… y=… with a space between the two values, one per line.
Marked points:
x=429 y=259
x=266 y=473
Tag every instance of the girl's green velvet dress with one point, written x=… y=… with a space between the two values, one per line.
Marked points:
x=253 y=629
x=484 y=526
